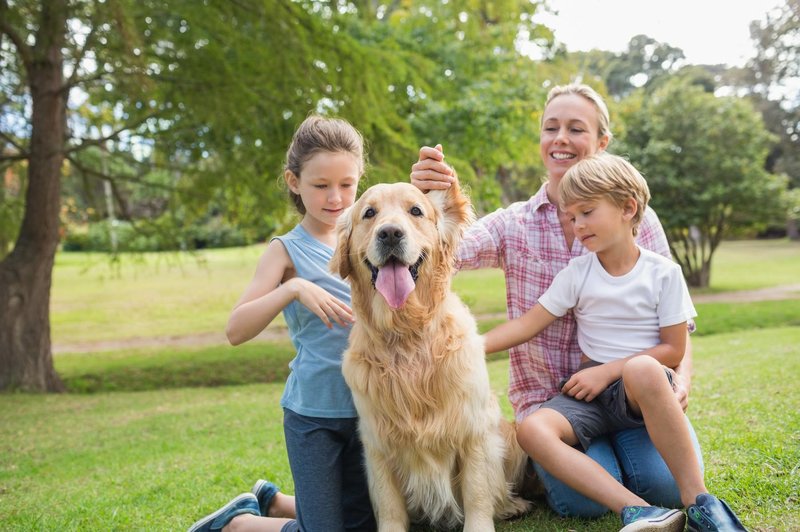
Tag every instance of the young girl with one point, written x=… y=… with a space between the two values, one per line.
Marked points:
x=323 y=165
x=532 y=241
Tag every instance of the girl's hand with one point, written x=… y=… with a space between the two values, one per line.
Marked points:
x=430 y=172
x=322 y=303
x=588 y=383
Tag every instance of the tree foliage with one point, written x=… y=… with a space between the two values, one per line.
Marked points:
x=184 y=108
x=703 y=157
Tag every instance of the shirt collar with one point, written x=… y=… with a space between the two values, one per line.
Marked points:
x=540 y=198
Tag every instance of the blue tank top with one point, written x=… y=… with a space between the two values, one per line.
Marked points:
x=315 y=386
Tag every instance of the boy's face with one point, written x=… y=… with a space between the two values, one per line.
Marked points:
x=600 y=224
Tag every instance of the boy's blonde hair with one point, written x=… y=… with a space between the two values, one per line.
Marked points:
x=608 y=177
x=585 y=91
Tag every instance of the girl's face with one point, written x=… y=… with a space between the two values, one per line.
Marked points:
x=570 y=129
x=327 y=187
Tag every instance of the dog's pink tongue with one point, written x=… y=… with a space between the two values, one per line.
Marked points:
x=395 y=284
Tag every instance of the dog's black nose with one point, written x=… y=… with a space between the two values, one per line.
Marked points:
x=390 y=235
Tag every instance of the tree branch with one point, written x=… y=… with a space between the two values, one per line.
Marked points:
x=25 y=52
x=23 y=153
x=86 y=143
x=73 y=78
x=93 y=172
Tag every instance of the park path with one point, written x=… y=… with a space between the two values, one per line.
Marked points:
x=279 y=333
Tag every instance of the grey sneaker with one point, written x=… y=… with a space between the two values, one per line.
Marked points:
x=709 y=514
x=246 y=503
x=652 y=519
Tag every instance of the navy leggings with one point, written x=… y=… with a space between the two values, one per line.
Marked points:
x=330 y=482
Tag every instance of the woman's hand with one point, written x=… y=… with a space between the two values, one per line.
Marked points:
x=321 y=303
x=430 y=172
x=681 y=388
x=588 y=383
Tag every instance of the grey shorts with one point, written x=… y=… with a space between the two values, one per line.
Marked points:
x=607 y=413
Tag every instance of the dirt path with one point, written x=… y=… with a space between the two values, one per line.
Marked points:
x=279 y=333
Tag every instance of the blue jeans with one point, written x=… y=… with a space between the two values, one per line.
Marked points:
x=631 y=458
x=330 y=482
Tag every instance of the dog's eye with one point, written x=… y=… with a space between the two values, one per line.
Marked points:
x=415 y=211
x=369 y=213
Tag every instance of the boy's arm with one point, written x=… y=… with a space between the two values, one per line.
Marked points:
x=587 y=384
x=518 y=331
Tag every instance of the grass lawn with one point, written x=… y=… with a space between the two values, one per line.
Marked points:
x=160 y=459
x=161 y=294
x=154 y=438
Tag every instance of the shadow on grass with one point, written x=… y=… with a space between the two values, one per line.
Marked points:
x=262 y=362
x=154 y=369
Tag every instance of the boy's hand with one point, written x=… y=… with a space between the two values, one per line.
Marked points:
x=588 y=383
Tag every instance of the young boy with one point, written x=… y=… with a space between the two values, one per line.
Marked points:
x=631 y=308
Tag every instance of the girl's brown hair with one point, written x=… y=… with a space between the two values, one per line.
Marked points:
x=321 y=134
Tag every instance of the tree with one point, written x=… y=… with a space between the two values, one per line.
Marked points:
x=769 y=78
x=196 y=89
x=198 y=100
x=703 y=157
x=642 y=64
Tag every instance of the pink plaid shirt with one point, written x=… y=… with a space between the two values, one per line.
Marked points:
x=527 y=242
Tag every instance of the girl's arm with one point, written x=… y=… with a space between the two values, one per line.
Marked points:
x=273 y=287
x=519 y=330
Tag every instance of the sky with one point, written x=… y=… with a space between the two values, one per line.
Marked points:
x=708 y=31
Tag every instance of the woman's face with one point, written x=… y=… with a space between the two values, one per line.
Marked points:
x=569 y=133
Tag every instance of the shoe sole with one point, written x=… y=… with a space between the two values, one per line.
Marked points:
x=210 y=517
x=674 y=521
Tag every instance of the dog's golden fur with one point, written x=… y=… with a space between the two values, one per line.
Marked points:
x=437 y=449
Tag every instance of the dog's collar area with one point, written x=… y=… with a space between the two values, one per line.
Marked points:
x=413 y=269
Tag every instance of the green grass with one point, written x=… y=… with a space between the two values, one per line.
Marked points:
x=157 y=437
x=160 y=294
x=754 y=264
x=158 y=460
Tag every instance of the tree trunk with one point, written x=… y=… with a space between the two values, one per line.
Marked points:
x=26 y=360
x=792 y=231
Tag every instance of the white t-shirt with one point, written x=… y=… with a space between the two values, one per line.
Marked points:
x=620 y=316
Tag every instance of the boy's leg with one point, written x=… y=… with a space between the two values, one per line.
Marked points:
x=644 y=472
x=567 y=502
x=548 y=438
x=314 y=457
x=649 y=392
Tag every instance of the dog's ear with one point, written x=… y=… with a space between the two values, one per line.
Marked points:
x=340 y=262
x=455 y=212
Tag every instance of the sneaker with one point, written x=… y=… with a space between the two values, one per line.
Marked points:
x=652 y=519
x=246 y=503
x=709 y=514
x=264 y=490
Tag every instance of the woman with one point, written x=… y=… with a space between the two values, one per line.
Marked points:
x=531 y=242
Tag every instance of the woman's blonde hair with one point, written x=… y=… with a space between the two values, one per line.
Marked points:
x=585 y=91
x=609 y=177
x=321 y=134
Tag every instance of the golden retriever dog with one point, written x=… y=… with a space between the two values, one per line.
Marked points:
x=437 y=448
